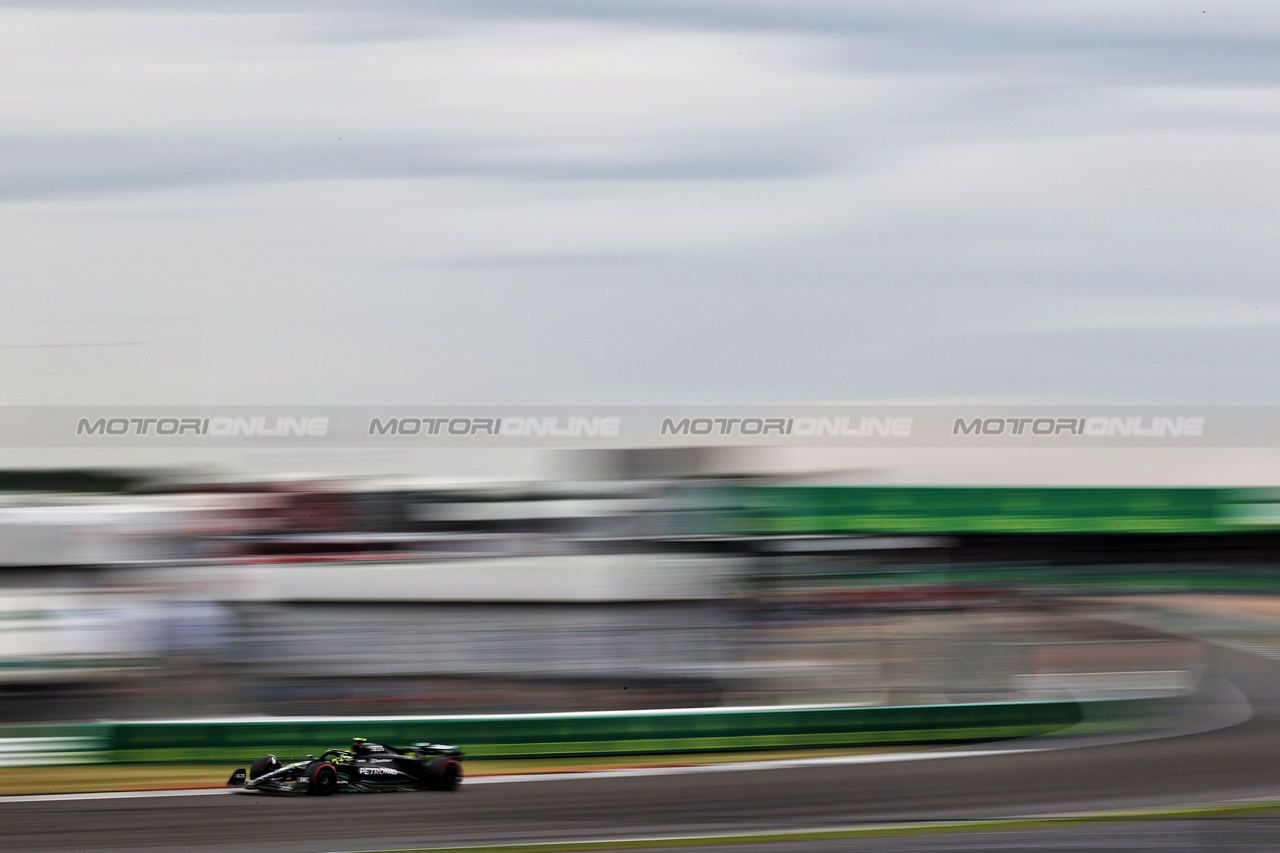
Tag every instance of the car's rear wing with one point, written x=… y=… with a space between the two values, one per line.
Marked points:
x=438 y=749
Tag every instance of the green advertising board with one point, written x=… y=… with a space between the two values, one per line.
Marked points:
x=780 y=510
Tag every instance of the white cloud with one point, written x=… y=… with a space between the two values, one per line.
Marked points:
x=550 y=201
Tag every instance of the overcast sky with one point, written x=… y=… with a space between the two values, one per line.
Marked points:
x=609 y=202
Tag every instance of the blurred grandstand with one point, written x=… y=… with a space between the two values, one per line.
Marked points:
x=652 y=583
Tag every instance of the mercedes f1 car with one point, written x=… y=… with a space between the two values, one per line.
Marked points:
x=365 y=767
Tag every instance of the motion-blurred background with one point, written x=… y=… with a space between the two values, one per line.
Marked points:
x=630 y=580
x=707 y=202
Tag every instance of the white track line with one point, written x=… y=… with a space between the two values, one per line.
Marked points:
x=739 y=766
x=114 y=795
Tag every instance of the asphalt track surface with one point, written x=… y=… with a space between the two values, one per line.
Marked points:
x=1231 y=762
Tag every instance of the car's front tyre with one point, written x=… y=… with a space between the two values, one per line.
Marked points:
x=263 y=766
x=323 y=777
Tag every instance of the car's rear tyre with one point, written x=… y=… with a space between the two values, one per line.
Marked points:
x=324 y=779
x=263 y=766
x=444 y=774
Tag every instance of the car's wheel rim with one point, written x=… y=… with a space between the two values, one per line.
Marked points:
x=325 y=780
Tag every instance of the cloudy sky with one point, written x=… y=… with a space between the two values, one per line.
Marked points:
x=638 y=202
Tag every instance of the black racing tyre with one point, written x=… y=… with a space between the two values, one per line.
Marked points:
x=263 y=766
x=324 y=779
x=444 y=774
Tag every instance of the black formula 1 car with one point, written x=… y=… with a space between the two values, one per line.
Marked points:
x=364 y=767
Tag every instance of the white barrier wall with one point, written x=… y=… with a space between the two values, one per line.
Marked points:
x=581 y=578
